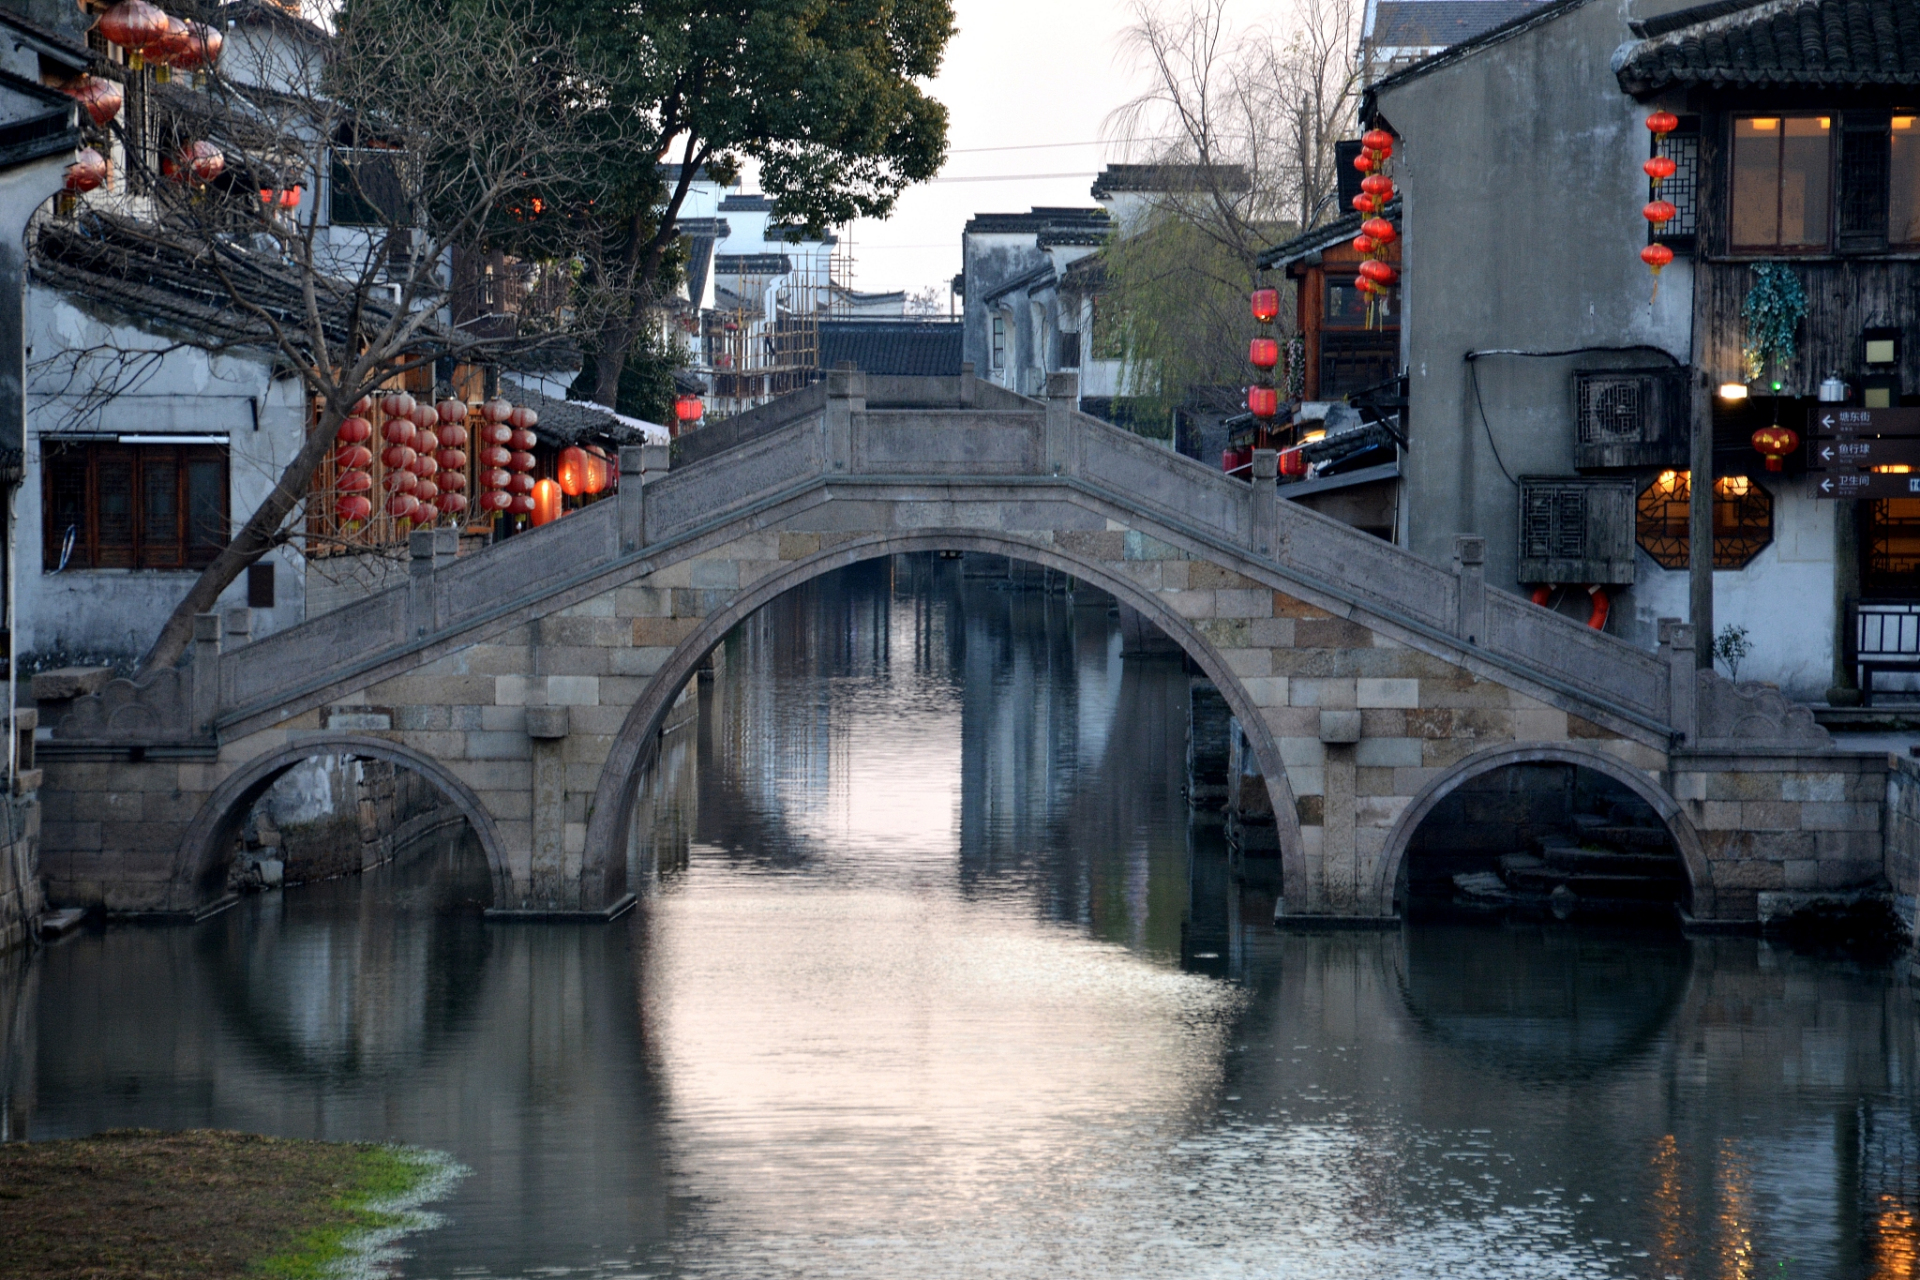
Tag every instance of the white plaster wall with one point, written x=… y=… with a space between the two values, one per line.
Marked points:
x=1784 y=598
x=184 y=393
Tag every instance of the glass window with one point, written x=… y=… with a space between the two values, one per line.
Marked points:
x=1742 y=520
x=999 y=342
x=1347 y=307
x=1782 y=181
x=1903 y=227
x=112 y=506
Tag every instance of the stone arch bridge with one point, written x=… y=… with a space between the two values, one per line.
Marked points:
x=529 y=680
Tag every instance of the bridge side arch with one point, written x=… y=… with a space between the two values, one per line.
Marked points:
x=613 y=797
x=1686 y=839
x=202 y=854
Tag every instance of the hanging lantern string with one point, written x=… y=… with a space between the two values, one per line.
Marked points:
x=1376 y=274
x=1658 y=212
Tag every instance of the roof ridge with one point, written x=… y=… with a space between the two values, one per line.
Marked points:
x=1653 y=28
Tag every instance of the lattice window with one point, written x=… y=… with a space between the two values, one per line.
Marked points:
x=1555 y=523
x=1742 y=520
x=1683 y=147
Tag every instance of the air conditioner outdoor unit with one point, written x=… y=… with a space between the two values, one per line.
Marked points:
x=1630 y=418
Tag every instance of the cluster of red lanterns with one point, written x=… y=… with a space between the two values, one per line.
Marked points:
x=585 y=471
x=1376 y=274
x=282 y=198
x=425 y=463
x=353 y=462
x=99 y=97
x=506 y=460
x=149 y=34
x=1263 y=398
x=197 y=163
x=1659 y=212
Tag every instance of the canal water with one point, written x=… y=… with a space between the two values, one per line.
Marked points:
x=937 y=979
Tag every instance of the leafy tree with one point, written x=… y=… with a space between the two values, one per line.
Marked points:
x=826 y=98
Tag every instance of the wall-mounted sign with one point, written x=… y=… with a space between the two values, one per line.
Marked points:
x=1831 y=420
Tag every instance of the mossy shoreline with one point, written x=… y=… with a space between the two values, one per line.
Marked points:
x=153 y=1205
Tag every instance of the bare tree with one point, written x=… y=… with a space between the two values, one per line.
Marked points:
x=1240 y=127
x=194 y=239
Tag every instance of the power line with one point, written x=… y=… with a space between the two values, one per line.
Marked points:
x=1050 y=146
x=1021 y=177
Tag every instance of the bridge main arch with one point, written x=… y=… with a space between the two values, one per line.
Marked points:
x=629 y=756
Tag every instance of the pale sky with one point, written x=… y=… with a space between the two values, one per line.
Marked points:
x=1019 y=73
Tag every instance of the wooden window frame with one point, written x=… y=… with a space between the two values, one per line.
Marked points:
x=1743 y=520
x=1822 y=246
x=65 y=463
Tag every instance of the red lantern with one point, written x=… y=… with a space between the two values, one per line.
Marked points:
x=1656 y=256
x=520 y=504
x=1366 y=203
x=200 y=162
x=353 y=506
x=427 y=491
x=400 y=431
x=1378 y=272
x=133 y=25
x=599 y=471
x=403 y=481
x=572 y=471
x=1774 y=444
x=1266 y=305
x=451 y=504
x=451 y=460
x=524 y=441
x=99 y=97
x=496 y=478
x=1382 y=231
x=424 y=465
x=688 y=409
x=1659 y=212
x=1293 y=462
x=1263 y=402
x=522 y=461
x=1660 y=168
x=1377 y=185
x=401 y=506
x=451 y=410
x=1663 y=122
x=203 y=47
x=353 y=482
x=290 y=198
x=175 y=44
x=546 y=503
x=452 y=436
x=496 y=410
x=494 y=433
x=450 y=479
x=1363 y=162
x=495 y=456
x=1365 y=285
x=494 y=500
x=87 y=172
x=1377 y=140
x=521 y=483
x=397 y=405
x=1363 y=244
x=397 y=457
x=354 y=431
x=1263 y=353
x=424 y=417
x=353 y=456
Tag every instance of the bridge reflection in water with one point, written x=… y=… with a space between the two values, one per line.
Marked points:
x=938 y=980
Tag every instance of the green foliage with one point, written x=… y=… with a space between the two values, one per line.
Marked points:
x=1731 y=646
x=647 y=389
x=1774 y=308
x=386 y=1184
x=1177 y=298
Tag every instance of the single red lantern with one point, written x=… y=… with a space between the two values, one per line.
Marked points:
x=353 y=431
x=496 y=478
x=494 y=500
x=1266 y=305
x=1377 y=140
x=353 y=506
x=290 y=198
x=427 y=491
x=451 y=410
x=402 y=506
x=495 y=433
x=1663 y=122
x=363 y=406
x=496 y=410
x=520 y=483
x=520 y=504
x=1656 y=256
x=1378 y=272
x=1365 y=285
x=1363 y=162
x=523 y=441
x=1263 y=353
x=1774 y=444
x=353 y=456
x=133 y=25
x=572 y=471
x=451 y=479
x=425 y=465
x=98 y=96
x=452 y=435
x=494 y=456
x=546 y=503
x=397 y=405
x=403 y=480
x=1366 y=203
x=198 y=162
x=1363 y=244
x=1659 y=212
x=1382 y=231
x=452 y=504
x=400 y=431
x=1263 y=402
x=451 y=459
x=1377 y=185
x=521 y=461
x=1659 y=168
x=1292 y=462
x=425 y=417
x=88 y=171
x=353 y=482
x=397 y=457
x=202 y=50
x=689 y=409
x=599 y=471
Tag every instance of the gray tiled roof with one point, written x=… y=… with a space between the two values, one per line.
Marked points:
x=1117 y=178
x=1436 y=24
x=1041 y=218
x=565 y=422
x=905 y=347
x=1778 y=42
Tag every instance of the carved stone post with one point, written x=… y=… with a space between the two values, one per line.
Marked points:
x=1683 y=687
x=1470 y=568
x=420 y=566
x=206 y=669
x=846 y=396
x=1063 y=395
x=238 y=627
x=633 y=498
x=966 y=384
x=1266 y=501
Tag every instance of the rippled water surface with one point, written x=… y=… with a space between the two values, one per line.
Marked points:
x=937 y=980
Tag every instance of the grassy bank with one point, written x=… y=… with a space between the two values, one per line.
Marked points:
x=160 y=1206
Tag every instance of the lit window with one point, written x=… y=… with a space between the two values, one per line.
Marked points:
x=1742 y=520
x=1782 y=185
x=1903 y=227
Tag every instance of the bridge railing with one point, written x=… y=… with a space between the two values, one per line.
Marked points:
x=858 y=431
